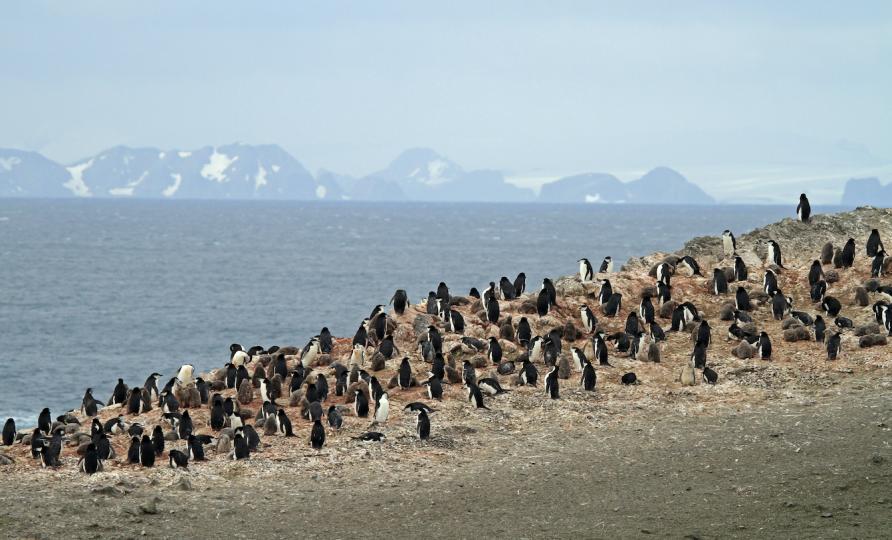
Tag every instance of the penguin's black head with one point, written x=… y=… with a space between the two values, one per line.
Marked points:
x=802 y=196
x=235 y=347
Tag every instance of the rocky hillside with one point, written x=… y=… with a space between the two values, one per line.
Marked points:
x=659 y=186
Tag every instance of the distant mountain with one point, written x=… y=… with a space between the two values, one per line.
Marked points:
x=422 y=174
x=659 y=186
x=235 y=171
x=866 y=192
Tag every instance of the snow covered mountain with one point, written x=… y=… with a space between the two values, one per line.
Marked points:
x=235 y=171
x=659 y=186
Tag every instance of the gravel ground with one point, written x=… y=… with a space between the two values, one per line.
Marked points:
x=815 y=465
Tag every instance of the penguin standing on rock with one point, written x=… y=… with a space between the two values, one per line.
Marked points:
x=834 y=346
x=729 y=243
x=475 y=395
x=434 y=388
x=876 y=266
x=400 y=301
x=119 y=395
x=494 y=353
x=423 y=425
x=606 y=265
x=9 y=432
x=492 y=311
x=90 y=463
x=763 y=349
x=589 y=321
x=847 y=257
x=146 y=452
x=586 y=272
x=317 y=435
x=742 y=300
x=664 y=293
x=774 y=254
x=612 y=307
x=803 y=210
x=542 y=303
x=529 y=375
x=690 y=265
x=283 y=424
x=552 y=387
x=507 y=288
x=589 y=377
x=709 y=375
x=404 y=376
x=874 y=243
x=820 y=328
x=520 y=284
x=646 y=310
x=382 y=408
x=740 y=271
x=719 y=281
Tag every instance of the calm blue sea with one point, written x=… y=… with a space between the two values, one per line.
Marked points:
x=93 y=290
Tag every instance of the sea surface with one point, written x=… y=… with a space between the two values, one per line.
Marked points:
x=93 y=290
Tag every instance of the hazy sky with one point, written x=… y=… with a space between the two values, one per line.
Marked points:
x=529 y=88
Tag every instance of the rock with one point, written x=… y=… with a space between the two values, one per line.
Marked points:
x=71 y=428
x=797 y=333
x=827 y=253
x=861 y=297
x=744 y=350
x=649 y=292
x=506 y=367
x=378 y=362
x=871 y=340
x=6 y=460
x=246 y=392
x=564 y=367
x=528 y=307
x=867 y=329
x=749 y=328
x=569 y=286
x=149 y=507
x=171 y=436
x=791 y=323
x=480 y=362
x=183 y=484
x=872 y=285
x=667 y=308
x=224 y=444
x=831 y=276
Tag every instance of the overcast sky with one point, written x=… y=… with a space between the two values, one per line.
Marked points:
x=529 y=88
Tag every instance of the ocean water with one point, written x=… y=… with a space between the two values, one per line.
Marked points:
x=93 y=290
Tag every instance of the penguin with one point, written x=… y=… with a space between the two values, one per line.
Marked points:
x=880 y=311
x=874 y=243
x=456 y=321
x=494 y=354
x=169 y=402
x=698 y=356
x=37 y=438
x=529 y=375
x=612 y=307
x=237 y=354
x=361 y=337
x=310 y=352
x=578 y=356
x=763 y=349
x=382 y=409
x=400 y=301
x=490 y=386
x=335 y=420
x=386 y=347
x=656 y=332
x=704 y=334
x=690 y=265
x=341 y=382
x=664 y=293
x=178 y=459
x=443 y=292
x=433 y=335
x=186 y=375
x=600 y=350
x=157 y=441
x=146 y=452
x=507 y=288
x=687 y=377
x=818 y=291
x=769 y=282
x=586 y=272
x=492 y=311
x=240 y=448
x=589 y=321
x=151 y=385
x=803 y=317
x=196 y=449
x=313 y=411
x=844 y=322
x=589 y=378
x=283 y=424
x=774 y=254
x=119 y=394
x=632 y=324
x=678 y=319
x=269 y=410
x=542 y=303
x=719 y=282
x=709 y=375
x=876 y=266
x=629 y=378
x=552 y=386
x=550 y=351
x=489 y=293
x=646 y=310
x=90 y=463
x=605 y=293
x=475 y=395
x=831 y=305
x=520 y=284
x=321 y=387
x=740 y=271
x=742 y=300
x=690 y=312
x=9 y=432
x=89 y=405
x=404 y=375
x=438 y=366
x=423 y=425
x=204 y=390
x=132 y=451
x=360 y=404
x=664 y=273
x=50 y=450
x=815 y=273
x=469 y=374
x=729 y=243
x=372 y=436
x=803 y=210
x=434 y=387
x=834 y=346
x=218 y=418
x=820 y=328
x=524 y=332
x=778 y=305
x=848 y=253
x=606 y=265
x=317 y=435
x=44 y=421
x=552 y=292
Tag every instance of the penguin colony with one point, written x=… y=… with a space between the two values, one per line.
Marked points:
x=323 y=392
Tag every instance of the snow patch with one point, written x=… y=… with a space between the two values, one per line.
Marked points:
x=127 y=191
x=171 y=189
x=276 y=168
x=435 y=170
x=593 y=198
x=76 y=183
x=260 y=179
x=9 y=163
x=184 y=154
x=216 y=166
x=320 y=192
x=161 y=155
